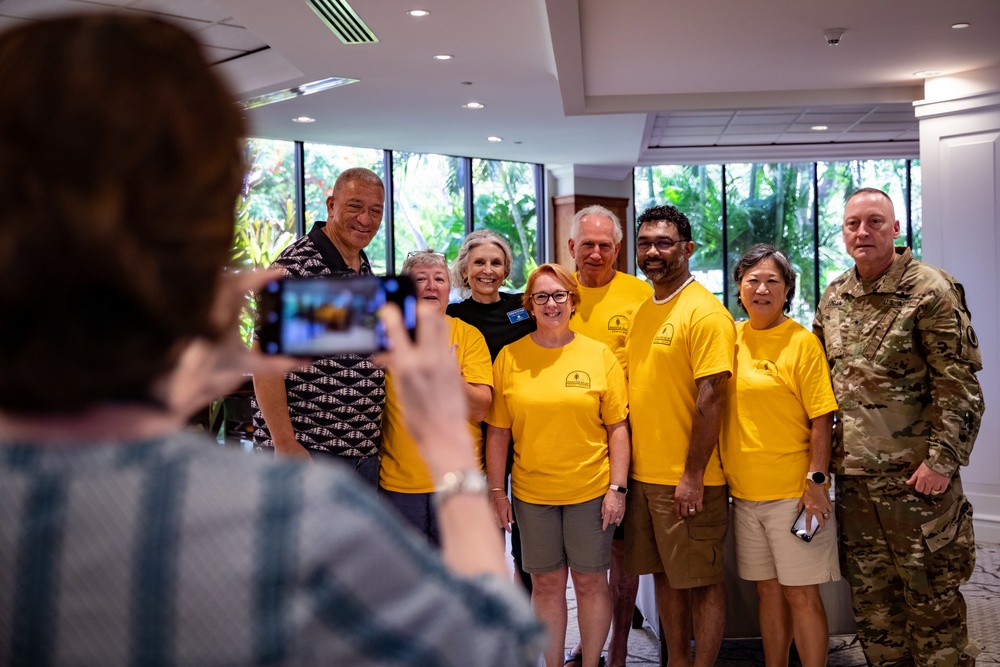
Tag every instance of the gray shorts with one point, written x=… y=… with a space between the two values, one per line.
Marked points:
x=554 y=536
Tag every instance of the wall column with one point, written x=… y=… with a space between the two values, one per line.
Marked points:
x=960 y=165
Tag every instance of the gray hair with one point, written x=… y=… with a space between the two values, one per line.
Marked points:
x=366 y=176
x=474 y=240
x=596 y=209
x=418 y=258
x=754 y=256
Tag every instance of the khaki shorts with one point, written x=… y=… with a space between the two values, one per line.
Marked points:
x=554 y=536
x=766 y=548
x=688 y=550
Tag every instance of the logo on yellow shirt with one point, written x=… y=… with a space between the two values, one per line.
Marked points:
x=767 y=367
x=618 y=324
x=578 y=380
x=666 y=335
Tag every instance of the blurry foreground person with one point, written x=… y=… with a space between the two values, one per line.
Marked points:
x=123 y=539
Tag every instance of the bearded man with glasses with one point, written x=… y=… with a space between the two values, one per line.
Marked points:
x=679 y=354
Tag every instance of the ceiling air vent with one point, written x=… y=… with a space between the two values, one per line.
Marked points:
x=341 y=18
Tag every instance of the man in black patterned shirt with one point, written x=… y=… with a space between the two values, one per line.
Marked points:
x=333 y=408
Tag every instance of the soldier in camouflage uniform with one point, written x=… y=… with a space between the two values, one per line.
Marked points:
x=903 y=356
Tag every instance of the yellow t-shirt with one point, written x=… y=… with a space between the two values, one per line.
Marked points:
x=782 y=381
x=556 y=403
x=668 y=347
x=605 y=313
x=403 y=470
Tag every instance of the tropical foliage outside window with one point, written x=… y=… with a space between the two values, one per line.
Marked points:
x=505 y=202
x=322 y=164
x=428 y=204
x=428 y=207
x=795 y=206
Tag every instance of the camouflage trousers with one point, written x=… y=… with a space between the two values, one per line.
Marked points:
x=905 y=555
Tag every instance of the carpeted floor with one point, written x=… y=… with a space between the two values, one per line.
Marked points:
x=982 y=594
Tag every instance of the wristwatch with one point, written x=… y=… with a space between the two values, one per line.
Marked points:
x=460 y=481
x=620 y=489
x=817 y=476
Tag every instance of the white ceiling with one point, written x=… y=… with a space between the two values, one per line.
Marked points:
x=590 y=82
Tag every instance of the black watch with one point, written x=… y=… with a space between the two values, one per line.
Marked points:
x=817 y=476
x=620 y=489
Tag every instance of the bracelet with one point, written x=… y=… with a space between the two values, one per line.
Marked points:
x=459 y=481
x=498 y=488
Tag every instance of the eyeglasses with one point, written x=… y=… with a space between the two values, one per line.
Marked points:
x=415 y=253
x=662 y=245
x=542 y=298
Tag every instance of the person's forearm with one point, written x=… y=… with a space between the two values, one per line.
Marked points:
x=478 y=397
x=619 y=452
x=273 y=401
x=497 y=444
x=470 y=541
x=821 y=433
x=707 y=423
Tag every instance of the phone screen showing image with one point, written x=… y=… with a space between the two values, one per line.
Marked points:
x=323 y=316
x=799 y=529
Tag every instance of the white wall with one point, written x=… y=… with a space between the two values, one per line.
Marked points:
x=960 y=164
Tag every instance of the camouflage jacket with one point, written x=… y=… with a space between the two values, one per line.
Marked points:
x=903 y=357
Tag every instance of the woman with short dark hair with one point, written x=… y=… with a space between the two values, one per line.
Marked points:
x=775 y=448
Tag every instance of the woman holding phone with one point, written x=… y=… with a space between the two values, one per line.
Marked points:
x=775 y=448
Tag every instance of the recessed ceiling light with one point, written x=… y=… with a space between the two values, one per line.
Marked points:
x=819 y=128
x=473 y=105
x=418 y=12
x=494 y=139
x=303 y=119
x=924 y=73
x=443 y=56
x=959 y=26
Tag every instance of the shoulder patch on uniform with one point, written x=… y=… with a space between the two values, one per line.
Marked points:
x=970 y=335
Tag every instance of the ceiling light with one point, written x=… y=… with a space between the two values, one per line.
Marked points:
x=925 y=73
x=473 y=105
x=297 y=91
x=494 y=139
x=303 y=119
x=959 y=26
x=819 y=128
x=418 y=12
x=443 y=56
x=833 y=35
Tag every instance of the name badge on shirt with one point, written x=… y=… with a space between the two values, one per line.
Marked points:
x=518 y=315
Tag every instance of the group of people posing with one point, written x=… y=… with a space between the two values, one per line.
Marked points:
x=624 y=416
x=620 y=410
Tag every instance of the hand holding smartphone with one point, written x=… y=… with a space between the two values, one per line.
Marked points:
x=330 y=315
x=800 y=530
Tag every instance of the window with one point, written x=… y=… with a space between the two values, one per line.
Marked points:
x=322 y=165
x=428 y=204
x=797 y=207
x=505 y=202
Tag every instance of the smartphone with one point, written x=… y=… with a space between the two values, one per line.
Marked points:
x=799 y=527
x=328 y=315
